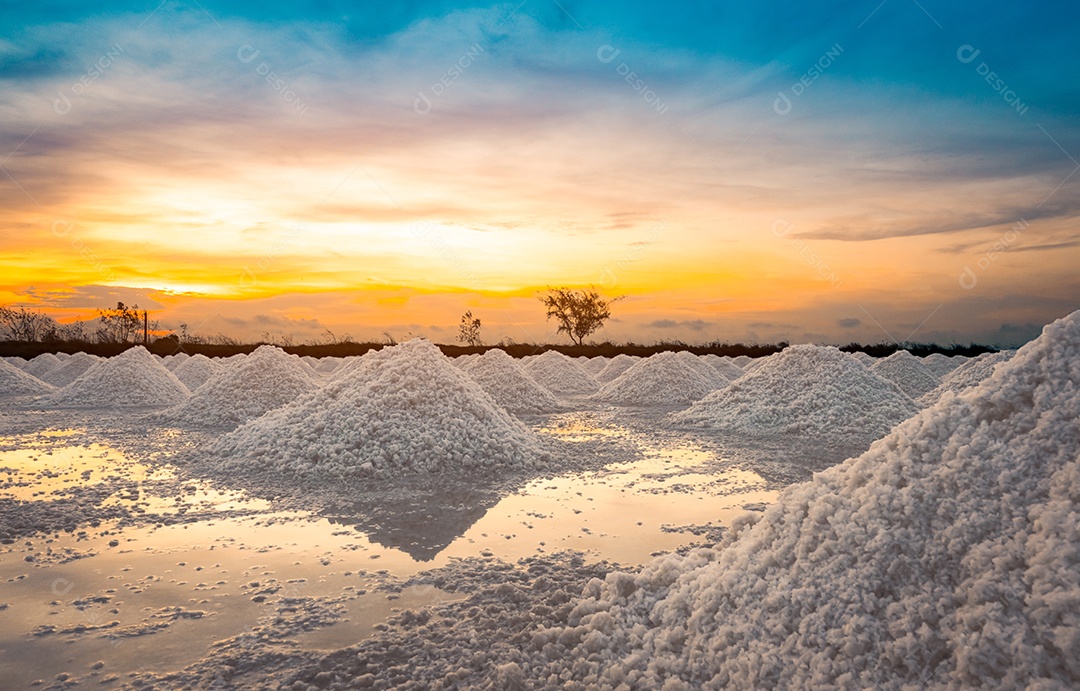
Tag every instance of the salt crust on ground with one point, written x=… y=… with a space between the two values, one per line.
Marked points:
x=399 y=411
x=15 y=382
x=812 y=391
x=560 y=375
x=503 y=378
x=906 y=371
x=133 y=378
x=946 y=555
x=660 y=379
x=970 y=374
x=267 y=379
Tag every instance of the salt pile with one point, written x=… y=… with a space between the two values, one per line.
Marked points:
x=595 y=365
x=40 y=365
x=727 y=369
x=133 y=378
x=940 y=365
x=560 y=375
x=71 y=370
x=812 y=391
x=741 y=361
x=171 y=362
x=413 y=412
x=15 y=382
x=267 y=379
x=660 y=379
x=970 y=374
x=195 y=371
x=328 y=365
x=507 y=383
x=906 y=371
x=946 y=556
x=864 y=358
x=706 y=371
x=616 y=366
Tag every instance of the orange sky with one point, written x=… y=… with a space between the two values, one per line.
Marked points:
x=183 y=181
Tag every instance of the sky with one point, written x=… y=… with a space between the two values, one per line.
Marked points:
x=813 y=172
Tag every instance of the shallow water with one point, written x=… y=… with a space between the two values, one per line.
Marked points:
x=154 y=594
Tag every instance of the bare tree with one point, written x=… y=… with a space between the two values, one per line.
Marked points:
x=469 y=330
x=579 y=312
x=120 y=325
x=25 y=324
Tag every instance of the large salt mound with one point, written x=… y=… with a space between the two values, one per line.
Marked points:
x=408 y=411
x=813 y=391
x=133 y=378
x=940 y=365
x=196 y=371
x=616 y=366
x=946 y=556
x=171 y=362
x=741 y=361
x=906 y=371
x=267 y=379
x=971 y=373
x=660 y=379
x=72 y=369
x=15 y=382
x=560 y=375
x=507 y=383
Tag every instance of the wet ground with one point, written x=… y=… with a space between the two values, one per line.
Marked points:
x=122 y=561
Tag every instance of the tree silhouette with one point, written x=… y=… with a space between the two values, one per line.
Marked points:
x=579 y=312
x=469 y=331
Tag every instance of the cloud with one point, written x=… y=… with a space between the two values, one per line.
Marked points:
x=696 y=325
x=848 y=323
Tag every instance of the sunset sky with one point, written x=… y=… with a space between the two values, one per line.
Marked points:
x=845 y=171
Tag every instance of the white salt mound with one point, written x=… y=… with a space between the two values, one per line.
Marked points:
x=660 y=379
x=133 y=378
x=970 y=374
x=412 y=412
x=812 y=391
x=706 y=371
x=742 y=361
x=946 y=556
x=72 y=369
x=727 y=369
x=940 y=365
x=41 y=365
x=267 y=379
x=328 y=365
x=507 y=383
x=595 y=365
x=171 y=362
x=561 y=375
x=868 y=360
x=196 y=370
x=906 y=371
x=15 y=382
x=616 y=366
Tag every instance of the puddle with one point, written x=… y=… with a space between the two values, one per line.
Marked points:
x=155 y=597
